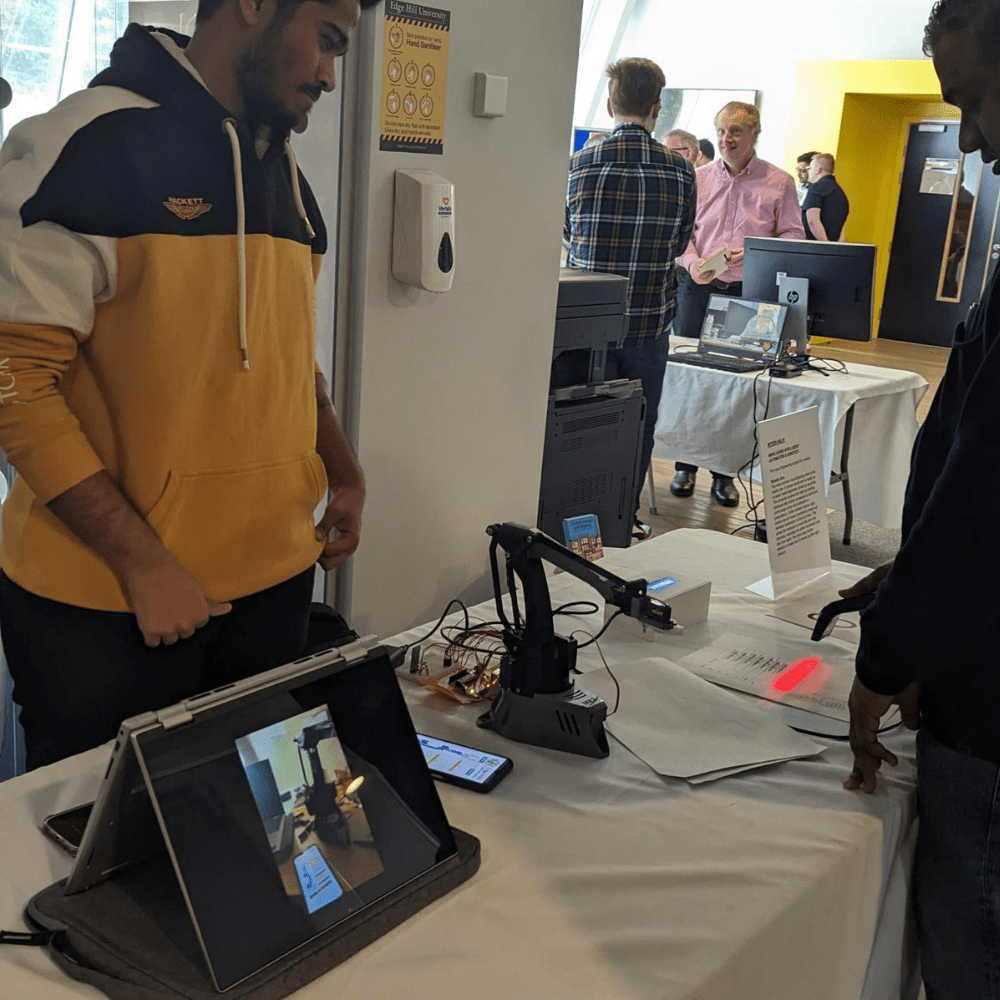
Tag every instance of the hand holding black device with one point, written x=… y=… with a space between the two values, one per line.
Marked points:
x=828 y=615
x=465 y=766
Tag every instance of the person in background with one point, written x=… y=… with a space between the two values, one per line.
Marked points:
x=826 y=207
x=802 y=165
x=171 y=431
x=706 y=152
x=684 y=142
x=630 y=210
x=929 y=639
x=739 y=195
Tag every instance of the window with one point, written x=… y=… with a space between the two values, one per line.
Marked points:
x=52 y=48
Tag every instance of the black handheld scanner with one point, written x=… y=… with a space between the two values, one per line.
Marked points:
x=828 y=616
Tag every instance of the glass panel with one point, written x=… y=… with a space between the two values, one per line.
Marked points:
x=963 y=211
x=52 y=48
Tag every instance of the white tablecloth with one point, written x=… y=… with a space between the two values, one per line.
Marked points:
x=706 y=417
x=601 y=880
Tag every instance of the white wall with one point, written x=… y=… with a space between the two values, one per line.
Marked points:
x=755 y=44
x=447 y=393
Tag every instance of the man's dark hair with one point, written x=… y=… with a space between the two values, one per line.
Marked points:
x=286 y=8
x=707 y=149
x=806 y=157
x=982 y=16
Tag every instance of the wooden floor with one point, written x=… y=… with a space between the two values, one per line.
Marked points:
x=701 y=511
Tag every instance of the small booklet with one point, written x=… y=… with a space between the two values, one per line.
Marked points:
x=583 y=536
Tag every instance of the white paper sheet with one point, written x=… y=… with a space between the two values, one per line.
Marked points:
x=666 y=714
x=778 y=671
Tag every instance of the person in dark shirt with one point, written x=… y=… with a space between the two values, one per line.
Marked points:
x=825 y=207
x=706 y=151
x=630 y=210
x=930 y=640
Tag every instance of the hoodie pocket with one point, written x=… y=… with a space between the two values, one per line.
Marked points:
x=229 y=527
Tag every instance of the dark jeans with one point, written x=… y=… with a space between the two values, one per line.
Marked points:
x=956 y=873
x=647 y=361
x=692 y=301
x=77 y=673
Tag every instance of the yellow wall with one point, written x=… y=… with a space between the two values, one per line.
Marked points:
x=861 y=112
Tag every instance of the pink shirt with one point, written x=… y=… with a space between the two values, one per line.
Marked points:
x=759 y=201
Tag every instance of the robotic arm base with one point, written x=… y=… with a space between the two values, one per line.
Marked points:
x=571 y=720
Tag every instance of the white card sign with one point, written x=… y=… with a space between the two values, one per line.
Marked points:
x=798 y=536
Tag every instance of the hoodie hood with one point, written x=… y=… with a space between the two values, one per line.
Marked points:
x=142 y=64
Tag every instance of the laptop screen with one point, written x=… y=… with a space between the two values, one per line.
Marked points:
x=743 y=327
x=292 y=807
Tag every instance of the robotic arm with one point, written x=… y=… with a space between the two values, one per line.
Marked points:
x=538 y=701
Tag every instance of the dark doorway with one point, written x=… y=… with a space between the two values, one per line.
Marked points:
x=942 y=245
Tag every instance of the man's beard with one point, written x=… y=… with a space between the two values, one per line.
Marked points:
x=254 y=72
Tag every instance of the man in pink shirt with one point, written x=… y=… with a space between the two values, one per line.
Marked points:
x=739 y=195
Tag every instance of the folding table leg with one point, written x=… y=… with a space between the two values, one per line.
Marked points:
x=843 y=478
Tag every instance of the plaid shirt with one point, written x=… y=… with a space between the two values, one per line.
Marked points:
x=630 y=210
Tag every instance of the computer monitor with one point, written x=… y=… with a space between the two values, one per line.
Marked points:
x=835 y=280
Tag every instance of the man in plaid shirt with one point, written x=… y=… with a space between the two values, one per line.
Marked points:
x=630 y=210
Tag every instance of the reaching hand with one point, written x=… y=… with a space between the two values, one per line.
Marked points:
x=867 y=708
x=342 y=516
x=868 y=584
x=168 y=603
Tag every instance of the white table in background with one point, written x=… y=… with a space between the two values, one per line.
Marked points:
x=707 y=418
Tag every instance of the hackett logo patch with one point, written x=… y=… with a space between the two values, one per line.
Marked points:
x=187 y=208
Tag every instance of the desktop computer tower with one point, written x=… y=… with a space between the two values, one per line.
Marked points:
x=593 y=430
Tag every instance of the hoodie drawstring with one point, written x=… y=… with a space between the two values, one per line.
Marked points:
x=241 y=235
x=294 y=166
x=229 y=126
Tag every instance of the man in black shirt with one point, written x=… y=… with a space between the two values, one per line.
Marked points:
x=930 y=640
x=825 y=206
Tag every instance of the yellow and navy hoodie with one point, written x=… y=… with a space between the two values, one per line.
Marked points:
x=157 y=320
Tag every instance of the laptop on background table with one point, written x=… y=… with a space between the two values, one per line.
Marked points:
x=286 y=802
x=739 y=335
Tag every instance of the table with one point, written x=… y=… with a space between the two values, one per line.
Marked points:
x=706 y=417
x=601 y=879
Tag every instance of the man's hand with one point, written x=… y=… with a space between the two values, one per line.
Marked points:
x=868 y=584
x=701 y=277
x=867 y=709
x=343 y=516
x=735 y=258
x=168 y=603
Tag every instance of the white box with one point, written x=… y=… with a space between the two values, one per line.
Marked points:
x=490 y=98
x=688 y=598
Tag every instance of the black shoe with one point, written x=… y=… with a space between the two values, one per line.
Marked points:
x=640 y=530
x=724 y=493
x=682 y=485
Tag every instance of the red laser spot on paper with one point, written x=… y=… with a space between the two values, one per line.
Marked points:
x=803 y=678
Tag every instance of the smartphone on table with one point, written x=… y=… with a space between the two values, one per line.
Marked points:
x=66 y=828
x=465 y=766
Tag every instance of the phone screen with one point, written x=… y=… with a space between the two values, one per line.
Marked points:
x=461 y=764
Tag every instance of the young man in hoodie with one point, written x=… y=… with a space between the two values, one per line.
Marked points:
x=159 y=396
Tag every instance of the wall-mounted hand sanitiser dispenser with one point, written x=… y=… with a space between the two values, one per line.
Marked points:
x=423 y=230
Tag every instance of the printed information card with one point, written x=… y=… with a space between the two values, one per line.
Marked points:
x=798 y=535
x=414 y=77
